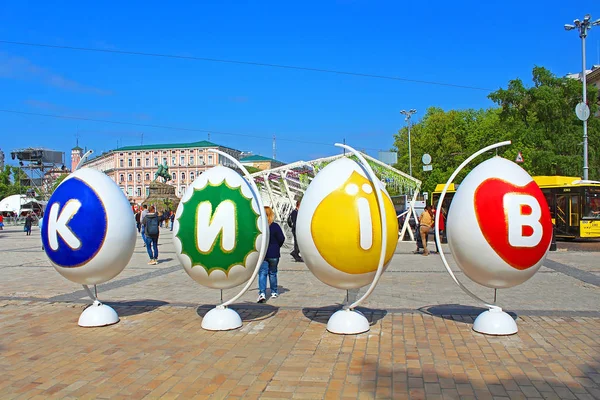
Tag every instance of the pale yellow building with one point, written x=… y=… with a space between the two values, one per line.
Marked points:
x=133 y=167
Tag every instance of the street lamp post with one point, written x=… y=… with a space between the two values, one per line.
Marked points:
x=583 y=27
x=409 y=114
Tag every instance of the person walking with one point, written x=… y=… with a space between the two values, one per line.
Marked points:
x=151 y=229
x=28 y=224
x=292 y=224
x=425 y=222
x=142 y=215
x=269 y=265
x=172 y=217
x=138 y=219
x=1 y=222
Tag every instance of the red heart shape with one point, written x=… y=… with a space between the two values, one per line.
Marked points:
x=494 y=216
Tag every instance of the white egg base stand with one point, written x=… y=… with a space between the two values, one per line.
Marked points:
x=98 y=314
x=221 y=318
x=348 y=322
x=495 y=322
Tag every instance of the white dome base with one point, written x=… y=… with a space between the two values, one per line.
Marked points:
x=98 y=314
x=495 y=322
x=221 y=319
x=348 y=322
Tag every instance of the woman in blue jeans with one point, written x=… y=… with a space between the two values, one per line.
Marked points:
x=269 y=265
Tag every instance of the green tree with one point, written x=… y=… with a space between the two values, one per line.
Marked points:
x=58 y=181
x=10 y=181
x=539 y=120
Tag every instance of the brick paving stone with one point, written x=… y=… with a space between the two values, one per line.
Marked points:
x=283 y=350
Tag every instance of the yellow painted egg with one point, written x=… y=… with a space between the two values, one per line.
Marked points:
x=339 y=226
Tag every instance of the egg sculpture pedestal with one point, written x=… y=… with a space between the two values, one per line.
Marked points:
x=221 y=235
x=89 y=236
x=499 y=232
x=347 y=232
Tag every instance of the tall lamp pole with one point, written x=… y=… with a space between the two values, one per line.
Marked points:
x=583 y=27
x=409 y=114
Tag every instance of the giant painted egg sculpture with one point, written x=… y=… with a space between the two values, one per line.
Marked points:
x=339 y=226
x=217 y=231
x=89 y=230
x=499 y=228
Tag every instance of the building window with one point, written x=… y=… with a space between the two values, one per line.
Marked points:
x=174 y=176
x=192 y=176
x=138 y=177
x=129 y=178
x=147 y=162
x=129 y=191
x=138 y=192
x=183 y=176
x=147 y=191
x=147 y=177
x=156 y=161
x=182 y=190
x=191 y=160
x=201 y=160
x=138 y=162
x=121 y=163
x=182 y=160
x=121 y=178
x=173 y=161
x=130 y=162
x=210 y=160
x=165 y=160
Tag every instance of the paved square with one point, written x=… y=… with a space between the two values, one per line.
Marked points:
x=420 y=345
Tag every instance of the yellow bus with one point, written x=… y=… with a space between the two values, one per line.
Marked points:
x=574 y=204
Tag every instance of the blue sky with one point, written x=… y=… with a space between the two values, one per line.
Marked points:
x=472 y=43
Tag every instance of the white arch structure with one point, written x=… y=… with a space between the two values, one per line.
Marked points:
x=280 y=187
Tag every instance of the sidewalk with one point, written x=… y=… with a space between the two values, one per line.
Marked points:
x=420 y=345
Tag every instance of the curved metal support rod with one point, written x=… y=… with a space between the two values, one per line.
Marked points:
x=375 y=182
x=85 y=156
x=263 y=218
x=437 y=220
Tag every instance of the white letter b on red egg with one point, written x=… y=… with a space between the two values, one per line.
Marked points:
x=517 y=220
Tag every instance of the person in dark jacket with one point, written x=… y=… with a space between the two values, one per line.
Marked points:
x=28 y=223
x=293 y=218
x=269 y=265
x=151 y=229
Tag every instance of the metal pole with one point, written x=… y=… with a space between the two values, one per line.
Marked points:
x=409 y=151
x=585 y=135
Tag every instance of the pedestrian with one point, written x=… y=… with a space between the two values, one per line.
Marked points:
x=1 y=222
x=269 y=265
x=138 y=220
x=142 y=215
x=292 y=224
x=425 y=222
x=167 y=218
x=151 y=228
x=28 y=223
x=172 y=219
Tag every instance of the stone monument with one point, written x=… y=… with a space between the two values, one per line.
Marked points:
x=161 y=195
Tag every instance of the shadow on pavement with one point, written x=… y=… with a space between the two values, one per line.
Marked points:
x=322 y=314
x=247 y=311
x=135 y=307
x=524 y=381
x=457 y=312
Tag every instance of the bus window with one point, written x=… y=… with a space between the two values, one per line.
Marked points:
x=591 y=206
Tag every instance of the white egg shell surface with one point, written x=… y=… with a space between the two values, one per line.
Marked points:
x=339 y=227
x=498 y=227
x=89 y=228
x=218 y=231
